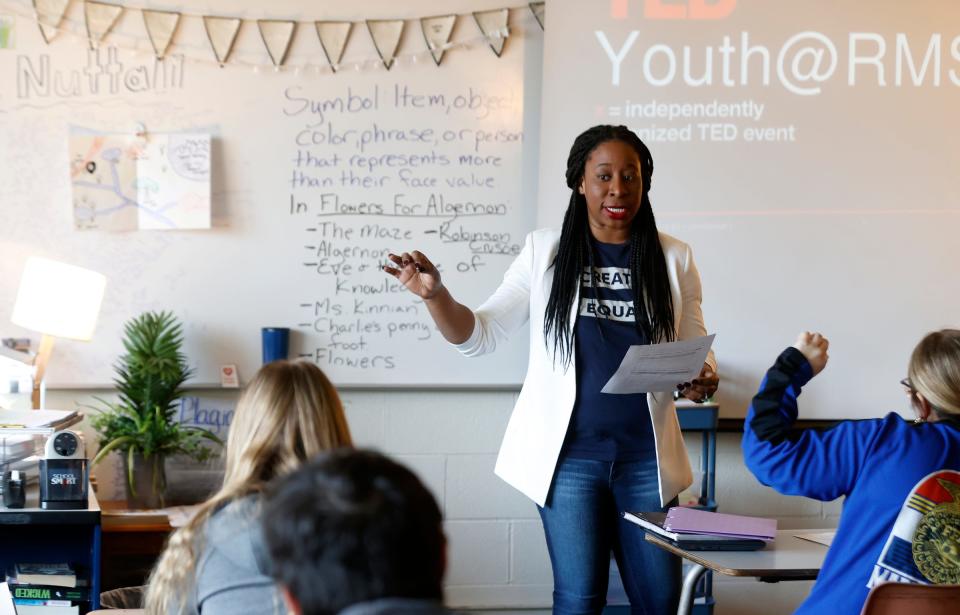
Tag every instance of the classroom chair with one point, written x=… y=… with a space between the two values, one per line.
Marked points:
x=122 y=601
x=899 y=598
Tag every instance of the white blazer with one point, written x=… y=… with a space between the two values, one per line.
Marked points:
x=531 y=445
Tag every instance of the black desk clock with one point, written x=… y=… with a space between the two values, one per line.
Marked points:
x=63 y=472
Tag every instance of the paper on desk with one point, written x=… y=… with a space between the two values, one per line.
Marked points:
x=822 y=538
x=28 y=419
x=659 y=367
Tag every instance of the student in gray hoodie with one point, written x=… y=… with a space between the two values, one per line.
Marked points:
x=217 y=563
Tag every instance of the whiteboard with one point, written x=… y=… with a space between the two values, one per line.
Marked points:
x=807 y=154
x=315 y=176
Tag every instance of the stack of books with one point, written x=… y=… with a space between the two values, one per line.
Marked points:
x=15 y=447
x=48 y=589
x=700 y=530
x=34 y=419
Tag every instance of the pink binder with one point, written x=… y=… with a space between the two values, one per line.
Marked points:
x=692 y=521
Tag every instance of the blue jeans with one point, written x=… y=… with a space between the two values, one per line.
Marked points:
x=583 y=524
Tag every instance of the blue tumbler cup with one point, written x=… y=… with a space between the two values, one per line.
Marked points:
x=276 y=343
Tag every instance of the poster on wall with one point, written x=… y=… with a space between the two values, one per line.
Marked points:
x=135 y=182
x=7 y=32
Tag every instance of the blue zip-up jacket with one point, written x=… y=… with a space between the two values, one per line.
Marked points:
x=888 y=469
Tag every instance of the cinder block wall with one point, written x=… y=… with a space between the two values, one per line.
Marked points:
x=497 y=555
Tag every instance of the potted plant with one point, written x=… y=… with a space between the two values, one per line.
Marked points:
x=142 y=425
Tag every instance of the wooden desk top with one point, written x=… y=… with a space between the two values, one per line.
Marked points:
x=787 y=557
x=116 y=517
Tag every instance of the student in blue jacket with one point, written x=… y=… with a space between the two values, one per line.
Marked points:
x=901 y=517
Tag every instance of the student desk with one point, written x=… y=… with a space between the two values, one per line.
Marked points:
x=132 y=541
x=786 y=559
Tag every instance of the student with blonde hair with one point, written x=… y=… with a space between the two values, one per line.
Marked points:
x=217 y=563
x=901 y=478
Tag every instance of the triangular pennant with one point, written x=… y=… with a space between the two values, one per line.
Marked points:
x=49 y=15
x=333 y=38
x=539 y=12
x=386 y=38
x=277 y=36
x=493 y=24
x=48 y=32
x=161 y=26
x=222 y=33
x=100 y=18
x=436 y=31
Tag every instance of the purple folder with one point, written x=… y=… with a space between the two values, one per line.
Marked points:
x=692 y=521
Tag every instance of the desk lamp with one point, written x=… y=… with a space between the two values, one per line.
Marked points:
x=57 y=300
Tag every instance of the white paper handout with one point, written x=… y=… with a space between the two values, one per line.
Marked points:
x=659 y=367
x=823 y=537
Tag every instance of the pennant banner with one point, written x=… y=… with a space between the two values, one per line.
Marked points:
x=222 y=33
x=277 y=36
x=437 y=31
x=100 y=18
x=49 y=15
x=161 y=26
x=386 y=38
x=538 y=9
x=493 y=25
x=333 y=38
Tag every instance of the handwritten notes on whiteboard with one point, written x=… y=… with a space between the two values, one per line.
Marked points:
x=391 y=167
x=129 y=182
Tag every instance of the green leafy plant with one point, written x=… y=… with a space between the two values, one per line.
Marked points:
x=149 y=379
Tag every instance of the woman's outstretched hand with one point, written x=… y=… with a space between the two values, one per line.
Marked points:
x=814 y=348
x=416 y=273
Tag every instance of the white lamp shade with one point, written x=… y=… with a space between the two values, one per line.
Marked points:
x=59 y=299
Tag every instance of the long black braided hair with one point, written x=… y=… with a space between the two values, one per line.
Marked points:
x=652 y=298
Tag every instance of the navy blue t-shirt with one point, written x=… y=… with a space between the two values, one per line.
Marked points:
x=604 y=426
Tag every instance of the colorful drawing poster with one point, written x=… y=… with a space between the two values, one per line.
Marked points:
x=103 y=172
x=127 y=182
x=173 y=182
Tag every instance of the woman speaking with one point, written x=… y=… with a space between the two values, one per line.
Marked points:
x=607 y=280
